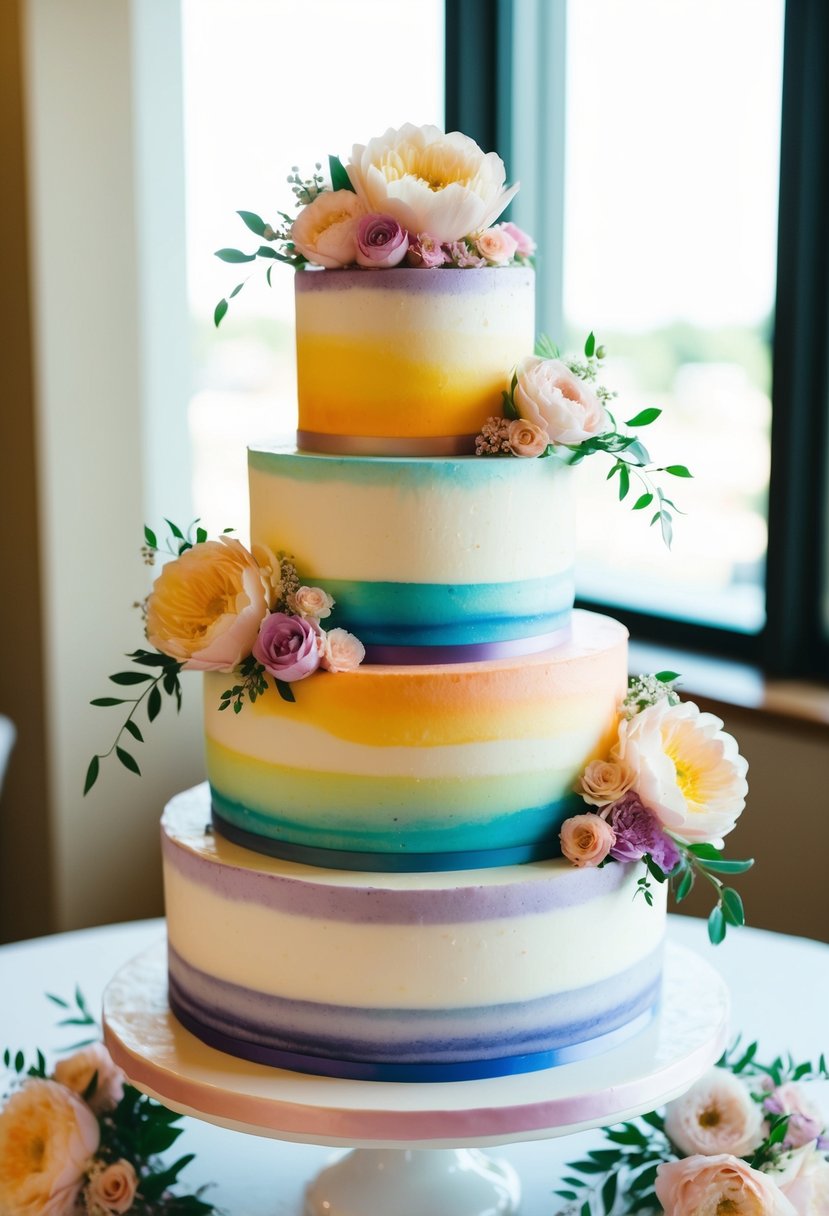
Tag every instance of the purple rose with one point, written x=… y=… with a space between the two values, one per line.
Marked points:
x=381 y=242
x=288 y=646
x=638 y=832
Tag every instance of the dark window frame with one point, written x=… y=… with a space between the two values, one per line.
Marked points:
x=795 y=640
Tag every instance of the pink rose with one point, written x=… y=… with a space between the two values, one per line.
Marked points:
x=312 y=602
x=717 y=1115
x=524 y=244
x=113 y=1189
x=548 y=394
x=76 y=1073
x=288 y=647
x=341 y=651
x=586 y=839
x=47 y=1138
x=497 y=246
x=805 y=1183
x=460 y=255
x=325 y=231
x=604 y=782
x=425 y=251
x=526 y=439
x=701 y=1185
x=381 y=242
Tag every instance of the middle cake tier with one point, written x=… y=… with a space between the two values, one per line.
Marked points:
x=428 y=560
x=419 y=768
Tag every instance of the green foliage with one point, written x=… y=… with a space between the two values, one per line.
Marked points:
x=254 y=684
x=706 y=862
x=339 y=178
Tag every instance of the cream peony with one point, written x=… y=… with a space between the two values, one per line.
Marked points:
x=688 y=771
x=112 y=1189
x=206 y=606
x=716 y=1115
x=47 y=1137
x=326 y=230
x=548 y=394
x=341 y=651
x=714 y=1186
x=586 y=840
x=76 y=1073
x=312 y=602
x=805 y=1182
x=604 y=782
x=430 y=182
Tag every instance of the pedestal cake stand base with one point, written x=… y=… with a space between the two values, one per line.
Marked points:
x=391 y=1123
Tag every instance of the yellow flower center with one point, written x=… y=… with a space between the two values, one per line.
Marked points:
x=332 y=218
x=727 y=1207
x=688 y=778
x=436 y=167
x=37 y=1151
x=710 y=1117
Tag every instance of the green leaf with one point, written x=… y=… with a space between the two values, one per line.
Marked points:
x=150 y=658
x=644 y=501
x=708 y=851
x=339 y=178
x=154 y=704
x=91 y=774
x=614 y=468
x=201 y=536
x=285 y=691
x=219 y=312
x=268 y=276
x=19 y=1061
x=253 y=221
x=57 y=1000
x=235 y=255
x=545 y=348
x=569 y=1195
x=732 y=905
x=609 y=1191
x=685 y=886
x=130 y=677
x=727 y=867
x=639 y=452
x=666 y=527
x=128 y=761
x=509 y=406
x=654 y=870
x=131 y=726
x=716 y=926
x=150 y=537
x=678 y=470
x=667 y=677
x=624 y=481
x=237 y=289
x=106 y=702
x=590 y=345
x=644 y=417
x=175 y=529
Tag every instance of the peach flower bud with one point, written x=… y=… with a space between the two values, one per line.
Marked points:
x=341 y=651
x=716 y=1115
x=497 y=246
x=548 y=394
x=47 y=1137
x=604 y=782
x=326 y=230
x=312 y=602
x=718 y=1184
x=76 y=1073
x=586 y=840
x=526 y=439
x=112 y=1189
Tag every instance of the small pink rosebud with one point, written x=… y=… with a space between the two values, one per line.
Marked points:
x=381 y=242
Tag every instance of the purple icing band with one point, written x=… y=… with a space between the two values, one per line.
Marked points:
x=477 y=652
x=415 y=281
x=385 y=445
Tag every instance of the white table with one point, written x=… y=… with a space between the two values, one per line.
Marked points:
x=780 y=995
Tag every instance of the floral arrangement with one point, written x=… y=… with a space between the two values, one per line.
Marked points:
x=556 y=407
x=218 y=607
x=673 y=785
x=746 y=1140
x=411 y=197
x=82 y=1142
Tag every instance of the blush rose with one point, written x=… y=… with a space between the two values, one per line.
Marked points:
x=548 y=394
x=586 y=840
x=112 y=1189
x=526 y=439
x=325 y=231
x=341 y=651
x=76 y=1073
x=723 y=1183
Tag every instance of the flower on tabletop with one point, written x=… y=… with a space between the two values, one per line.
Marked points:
x=586 y=840
x=270 y=571
x=312 y=602
x=806 y=1124
x=717 y=1115
x=325 y=231
x=688 y=770
x=804 y=1180
x=429 y=181
x=547 y=393
x=638 y=832
x=47 y=1138
x=206 y=607
x=526 y=439
x=288 y=647
x=341 y=651
x=381 y=242
x=112 y=1189
x=713 y=1186
x=524 y=244
x=76 y=1073
x=425 y=251
x=604 y=782
x=496 y=245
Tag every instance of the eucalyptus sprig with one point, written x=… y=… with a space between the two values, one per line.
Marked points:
x=705 y=861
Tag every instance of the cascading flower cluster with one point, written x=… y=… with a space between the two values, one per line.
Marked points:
x=410 y=197
x=219 y=607
x=672 y=786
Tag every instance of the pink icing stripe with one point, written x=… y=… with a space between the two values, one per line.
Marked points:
x=476 y=652
x=385 y=445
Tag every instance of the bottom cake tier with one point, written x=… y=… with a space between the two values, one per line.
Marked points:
x=402 y=977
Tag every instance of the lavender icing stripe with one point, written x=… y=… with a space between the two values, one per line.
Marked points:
x=478 y=652
x=416 y=282
x=297 y=895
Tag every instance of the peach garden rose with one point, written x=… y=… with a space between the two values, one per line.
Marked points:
x=76 y=1073
x=526 y=439
x=325 y=231
x=604 y=782
x=341 y=651
x=716 y=1186
x=112 y=1189
x=586 y=840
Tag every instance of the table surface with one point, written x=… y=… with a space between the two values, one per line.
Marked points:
x=780 y=996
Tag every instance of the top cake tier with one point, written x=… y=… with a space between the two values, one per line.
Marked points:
x=410 y=362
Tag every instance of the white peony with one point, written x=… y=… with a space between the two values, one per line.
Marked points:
x=716 y=1115
x=443 y=185
x=688 y=770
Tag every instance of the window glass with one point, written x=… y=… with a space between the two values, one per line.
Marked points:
x=268 y=87
x=672 y=135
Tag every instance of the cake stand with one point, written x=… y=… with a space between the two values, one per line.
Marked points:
x=416 y=1146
